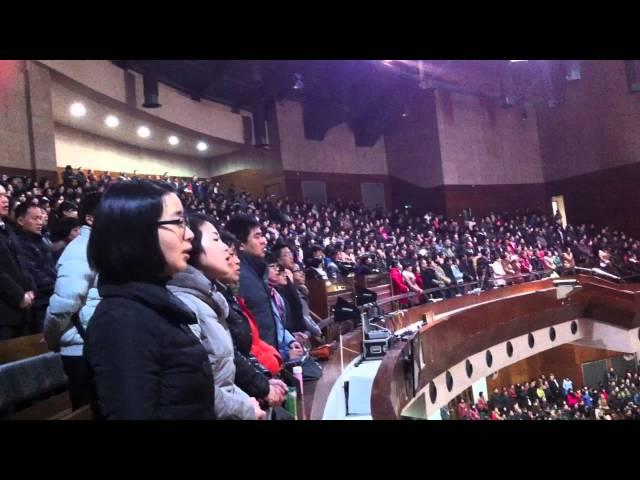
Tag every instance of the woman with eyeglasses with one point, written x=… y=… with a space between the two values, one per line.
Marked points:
x=197 y=288
x=145 y=361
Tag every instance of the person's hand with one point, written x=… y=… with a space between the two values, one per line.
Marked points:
x=275 y=396
x=301 y=337
x=289 y=274
x=27 y=300
x=279 y=384
x=260 y=414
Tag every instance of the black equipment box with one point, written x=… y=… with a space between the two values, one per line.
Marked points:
x=376 y=348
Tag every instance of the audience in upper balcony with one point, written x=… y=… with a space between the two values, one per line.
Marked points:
x=542 y=399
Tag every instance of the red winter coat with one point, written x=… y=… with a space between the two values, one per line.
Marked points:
x=265 y=353
x=397 y=282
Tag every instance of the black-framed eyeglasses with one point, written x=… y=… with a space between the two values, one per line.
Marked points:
x=181 y=222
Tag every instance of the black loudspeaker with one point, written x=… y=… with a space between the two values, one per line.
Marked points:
x=260 y=127
x=633 y=75
x=345 y=311
x=247 y=130
x=150 y=89
x=364 y=296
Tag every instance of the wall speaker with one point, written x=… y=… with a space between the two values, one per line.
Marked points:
x=633 y=75
x=150 y=89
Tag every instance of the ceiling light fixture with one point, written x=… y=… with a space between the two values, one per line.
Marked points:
x=144 y=132
x=77 y=109
x=111 y=121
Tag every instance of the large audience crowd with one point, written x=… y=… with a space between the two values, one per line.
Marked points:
x=616 y=398
x=180 y=257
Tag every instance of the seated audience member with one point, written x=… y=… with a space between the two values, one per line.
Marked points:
x=498 y=273
x=604 y=257
x=312 y=328
x=195 y=288
x=289 y=344
x=38 y=260
x=145 y=360
x=330 y=266
x=398 y=286
x=75 y=297
x=15 y=281
x=294 y=310
x=315 y=269
x=409 y=277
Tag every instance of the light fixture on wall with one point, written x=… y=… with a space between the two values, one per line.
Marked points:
x=144 y=132
x=299 y=84
x=112 y=121
x=173 y=140
x=202 y=146
x=77 y=109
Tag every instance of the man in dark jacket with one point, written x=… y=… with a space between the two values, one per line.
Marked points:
x=38 y=260
x=16 y=285
x=253 y=287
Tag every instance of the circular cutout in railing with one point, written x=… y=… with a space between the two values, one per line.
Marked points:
x=489 y=358
x=469 y=368
x=574 y=327
x=449 y=379
x=509 y=349
x=530 y=340
x=433 y=392
x=552 y=334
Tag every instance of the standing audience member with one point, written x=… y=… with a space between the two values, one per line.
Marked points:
x=75 y=298
x=145 y=360
x=17 y=289
x=209 y=261
x=38 y=260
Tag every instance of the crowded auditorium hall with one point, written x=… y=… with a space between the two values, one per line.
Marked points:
x=319 y=240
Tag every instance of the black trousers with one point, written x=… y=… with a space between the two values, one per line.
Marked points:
x=79 y=380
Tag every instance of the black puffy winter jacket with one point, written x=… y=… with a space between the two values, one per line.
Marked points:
x=145 y=361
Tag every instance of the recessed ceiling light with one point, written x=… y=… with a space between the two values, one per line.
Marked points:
x=144 y=132
x=202 y=146
x=173 y=140
x=112 y=121
x=78 y=110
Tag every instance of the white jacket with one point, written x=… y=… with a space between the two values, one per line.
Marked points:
x=76 y=290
